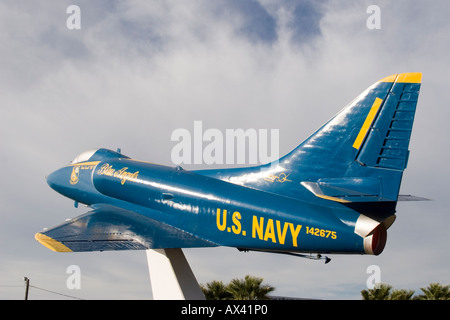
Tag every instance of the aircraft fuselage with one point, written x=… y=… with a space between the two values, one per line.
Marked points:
x=220 y=212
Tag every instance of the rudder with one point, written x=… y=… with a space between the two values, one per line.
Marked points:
x=387 y=142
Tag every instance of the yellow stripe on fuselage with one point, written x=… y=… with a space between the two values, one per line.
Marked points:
x=367 y=123
x=90 y=163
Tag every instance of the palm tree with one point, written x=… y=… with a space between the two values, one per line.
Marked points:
x=401 y=294
x=380 y=292
x=435 y=291
x=216 y=290
x=383 y=292
x=249 y=289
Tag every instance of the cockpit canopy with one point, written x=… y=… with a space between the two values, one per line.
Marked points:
x=97 y=154
x=84 y=156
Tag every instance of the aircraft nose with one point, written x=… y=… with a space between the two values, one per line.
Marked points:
x=55 y=179
x=51 y=179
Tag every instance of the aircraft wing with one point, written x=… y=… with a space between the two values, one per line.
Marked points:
x=107 y=227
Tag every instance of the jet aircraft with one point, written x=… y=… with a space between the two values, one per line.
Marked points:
x=336 y=192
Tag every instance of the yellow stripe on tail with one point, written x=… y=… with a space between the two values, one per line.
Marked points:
x=367 y=123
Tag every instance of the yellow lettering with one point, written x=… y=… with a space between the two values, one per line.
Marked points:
x=237 y=224
x=257 y=227
x=221 y=226
x=122 y=174
x=270 y=231
x=294 y=233
x=281 y=234
x=106 y=170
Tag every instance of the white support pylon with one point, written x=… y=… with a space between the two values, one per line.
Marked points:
x=171 y=276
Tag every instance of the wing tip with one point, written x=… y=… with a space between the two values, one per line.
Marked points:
x=51 y=243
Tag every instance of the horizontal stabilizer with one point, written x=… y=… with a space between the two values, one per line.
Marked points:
x=405 y=197
x=346 y=190
x=111 y=228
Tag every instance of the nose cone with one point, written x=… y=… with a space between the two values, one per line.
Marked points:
x=74 y=182
x=51 y=179
x=60 y=179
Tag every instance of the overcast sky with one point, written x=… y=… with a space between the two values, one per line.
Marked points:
x=138 y=70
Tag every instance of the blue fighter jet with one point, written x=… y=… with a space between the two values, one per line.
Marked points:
x=336 y=192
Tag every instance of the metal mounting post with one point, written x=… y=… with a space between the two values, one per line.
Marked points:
x=171 y=276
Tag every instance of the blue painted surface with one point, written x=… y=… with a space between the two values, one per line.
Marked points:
x=318 y=198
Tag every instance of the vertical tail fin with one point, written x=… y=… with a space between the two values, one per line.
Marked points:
x=361 y=153
x=357 y=156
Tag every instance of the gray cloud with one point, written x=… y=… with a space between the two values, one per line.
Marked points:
x=137 y=70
